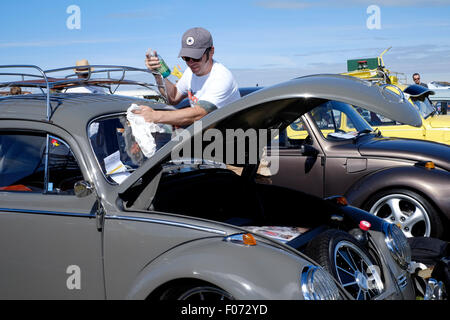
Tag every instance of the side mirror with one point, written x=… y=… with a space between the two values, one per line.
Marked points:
x=83 y=189
x=308 y=150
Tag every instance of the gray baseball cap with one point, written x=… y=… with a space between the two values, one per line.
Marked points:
x=194 y=43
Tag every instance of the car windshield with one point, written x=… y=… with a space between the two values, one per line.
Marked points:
x=118 y=151
x=339 y=120
x=423 y=104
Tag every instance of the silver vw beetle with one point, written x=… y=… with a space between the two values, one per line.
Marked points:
x=85 y=213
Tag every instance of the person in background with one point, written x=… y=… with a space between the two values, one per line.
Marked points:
x=14 y=91
x=416 y=78
x=207 y=83
x=83 y=71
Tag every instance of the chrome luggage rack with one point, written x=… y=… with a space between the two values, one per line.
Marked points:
x=49 y=85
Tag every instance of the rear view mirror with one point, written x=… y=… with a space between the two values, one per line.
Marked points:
x=308 y=150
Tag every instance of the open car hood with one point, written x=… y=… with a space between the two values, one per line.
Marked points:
x=416 y=90
x=277 y=106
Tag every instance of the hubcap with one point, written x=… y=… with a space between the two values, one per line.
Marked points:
x=404 y=211
x=362 y=281
x=356 y=272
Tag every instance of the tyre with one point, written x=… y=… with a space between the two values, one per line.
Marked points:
x=412 y=213
x=349 y=262
x=196 y=293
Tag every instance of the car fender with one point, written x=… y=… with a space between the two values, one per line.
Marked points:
x=434 y=184
x=246 y=272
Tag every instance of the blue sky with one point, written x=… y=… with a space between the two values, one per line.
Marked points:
x=262 y=42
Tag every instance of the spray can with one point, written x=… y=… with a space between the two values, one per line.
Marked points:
x=164 y=69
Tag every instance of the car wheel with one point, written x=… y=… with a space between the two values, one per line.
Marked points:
x=348 y=261
x=196 y=293
x=413 y=214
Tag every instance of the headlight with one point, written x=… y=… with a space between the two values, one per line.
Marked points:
x=398 y=244
x=318 y=284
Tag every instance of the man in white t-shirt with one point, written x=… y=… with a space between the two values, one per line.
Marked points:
x=207 y=83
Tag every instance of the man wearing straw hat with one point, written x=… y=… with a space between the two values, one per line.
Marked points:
x=83 y=71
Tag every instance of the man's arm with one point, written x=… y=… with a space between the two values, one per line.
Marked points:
x=173 y=95
x=180 y=117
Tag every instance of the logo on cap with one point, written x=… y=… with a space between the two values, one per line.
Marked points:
x=190 y=41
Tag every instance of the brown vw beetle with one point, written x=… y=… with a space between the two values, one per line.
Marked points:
x=333 y=150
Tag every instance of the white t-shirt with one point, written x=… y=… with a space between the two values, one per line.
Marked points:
x=217 y=87
x=86 y=89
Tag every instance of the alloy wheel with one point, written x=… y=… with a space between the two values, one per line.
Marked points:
x=404 y=211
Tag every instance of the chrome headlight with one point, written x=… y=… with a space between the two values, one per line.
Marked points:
x=317 y=284
x=397 y=244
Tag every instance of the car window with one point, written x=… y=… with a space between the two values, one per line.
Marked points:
x=25 y=164
x=375 y=119
x=120 y=150
x=423 y=105
x=337 y=119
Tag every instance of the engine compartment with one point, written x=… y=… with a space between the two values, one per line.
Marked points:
x=224 y=196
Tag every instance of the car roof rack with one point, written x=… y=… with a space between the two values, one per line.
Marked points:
x=48 y=84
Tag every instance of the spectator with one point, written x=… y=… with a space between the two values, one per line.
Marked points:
x=14 y=91
x=85 y=73
x=416 y=78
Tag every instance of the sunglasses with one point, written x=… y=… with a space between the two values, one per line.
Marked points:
x=188 y=59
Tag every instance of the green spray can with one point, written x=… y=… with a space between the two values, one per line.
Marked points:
x=164 y=69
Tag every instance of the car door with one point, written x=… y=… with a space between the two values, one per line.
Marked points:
x=50 y=244
x=300 y=158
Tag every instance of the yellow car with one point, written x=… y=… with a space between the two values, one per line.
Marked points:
x=435 y=127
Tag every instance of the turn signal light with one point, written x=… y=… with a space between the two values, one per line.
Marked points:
x=339 y=200
x=242 y=238
x=248 y=239
x=342 y=201
x=429 y=165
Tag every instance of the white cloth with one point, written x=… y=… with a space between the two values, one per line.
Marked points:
x=142 y=131
x=217 y=87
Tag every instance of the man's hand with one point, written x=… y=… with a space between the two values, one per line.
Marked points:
x=152 y=62
x=180 y=117
x=148 y=114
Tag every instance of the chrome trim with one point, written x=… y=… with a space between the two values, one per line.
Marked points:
x=435 y=290
x=401 y=255
x=325 y=289
x=166 y=222
x=55 y=213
